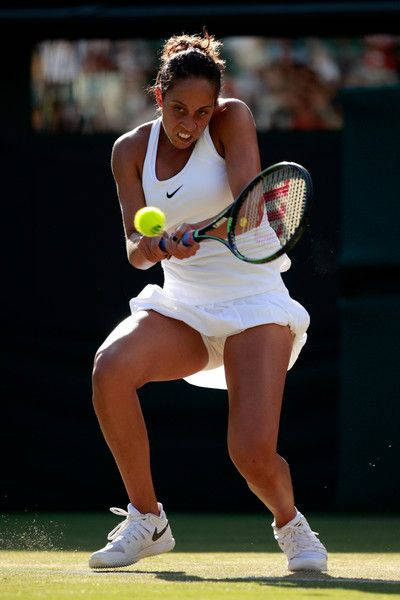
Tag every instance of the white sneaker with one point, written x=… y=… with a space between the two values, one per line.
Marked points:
x=301 y=545
x=138 y=536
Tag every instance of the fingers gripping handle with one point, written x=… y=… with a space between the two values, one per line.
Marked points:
x=187 y=240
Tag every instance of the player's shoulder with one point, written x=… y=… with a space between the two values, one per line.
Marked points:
x=232 y=113
x=132 y=145
x=231 y=109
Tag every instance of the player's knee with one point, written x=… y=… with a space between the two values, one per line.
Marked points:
x=112 y=371
x=105 y=367
x=253 y=459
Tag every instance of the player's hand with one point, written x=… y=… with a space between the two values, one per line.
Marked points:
x=150 y=248
x=176 y=248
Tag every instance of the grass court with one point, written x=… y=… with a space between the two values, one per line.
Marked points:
x=233 y=556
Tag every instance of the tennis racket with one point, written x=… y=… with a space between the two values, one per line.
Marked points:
x=266 y=219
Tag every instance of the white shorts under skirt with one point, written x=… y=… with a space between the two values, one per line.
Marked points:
x=216 y=321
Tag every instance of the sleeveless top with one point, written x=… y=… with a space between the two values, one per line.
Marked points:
x=199 y=192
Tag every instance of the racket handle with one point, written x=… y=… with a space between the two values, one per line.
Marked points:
x=187 y=240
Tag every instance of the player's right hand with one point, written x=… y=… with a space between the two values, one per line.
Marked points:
x=176 y=248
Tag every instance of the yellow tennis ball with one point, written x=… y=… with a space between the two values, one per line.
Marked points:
x=243 y=222
x=149 y=221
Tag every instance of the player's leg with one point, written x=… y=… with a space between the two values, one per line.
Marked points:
x=256 y=362
x=147 y=347
x=144 y=348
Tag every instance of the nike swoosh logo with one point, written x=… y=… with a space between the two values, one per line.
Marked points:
x=173 y=193
x=158 y=534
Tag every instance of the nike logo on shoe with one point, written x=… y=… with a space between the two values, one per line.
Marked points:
x=173 y=193
x=158 y=534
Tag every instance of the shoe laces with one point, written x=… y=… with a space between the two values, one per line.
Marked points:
x=297 y=539
x=133 y=525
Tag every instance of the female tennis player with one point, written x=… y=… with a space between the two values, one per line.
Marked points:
x=211 y=314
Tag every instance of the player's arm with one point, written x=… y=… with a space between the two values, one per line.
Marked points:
x=237 y=137
x=143 y=252
x=235 y=131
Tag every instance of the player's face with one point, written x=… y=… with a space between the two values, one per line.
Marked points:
x=187 y=108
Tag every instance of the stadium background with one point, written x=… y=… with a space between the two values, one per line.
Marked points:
x=66 y=283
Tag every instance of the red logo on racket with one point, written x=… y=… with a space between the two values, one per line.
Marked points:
x=274 y=213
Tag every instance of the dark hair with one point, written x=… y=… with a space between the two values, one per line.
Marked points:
x=187 y=56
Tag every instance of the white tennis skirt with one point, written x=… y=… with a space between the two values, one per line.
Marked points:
x=216 y=321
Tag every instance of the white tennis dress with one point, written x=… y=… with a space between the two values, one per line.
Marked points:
x=213 y=291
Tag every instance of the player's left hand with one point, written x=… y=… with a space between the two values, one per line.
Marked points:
x=176 y=248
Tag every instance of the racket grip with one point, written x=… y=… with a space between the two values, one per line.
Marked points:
x=187 y=240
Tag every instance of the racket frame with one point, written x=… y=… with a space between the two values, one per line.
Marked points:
x=231 y=213
x=235 y=209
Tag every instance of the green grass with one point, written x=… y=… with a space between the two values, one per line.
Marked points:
x=216 y=557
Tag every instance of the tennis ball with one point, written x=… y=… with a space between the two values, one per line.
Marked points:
x=149 y=221
x=243 y=222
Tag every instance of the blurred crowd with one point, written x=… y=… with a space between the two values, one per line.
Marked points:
x=91 y=86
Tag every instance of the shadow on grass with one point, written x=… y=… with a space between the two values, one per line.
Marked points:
x=301 y=580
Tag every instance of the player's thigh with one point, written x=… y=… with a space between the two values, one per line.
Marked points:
x=256 y=363
x=148 y=346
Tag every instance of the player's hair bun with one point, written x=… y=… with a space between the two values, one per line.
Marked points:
x=185 y=56
x=206 y=43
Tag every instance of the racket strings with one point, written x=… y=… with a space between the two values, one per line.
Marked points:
x=271 y=213
x=285 y=202
x=252 y=211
